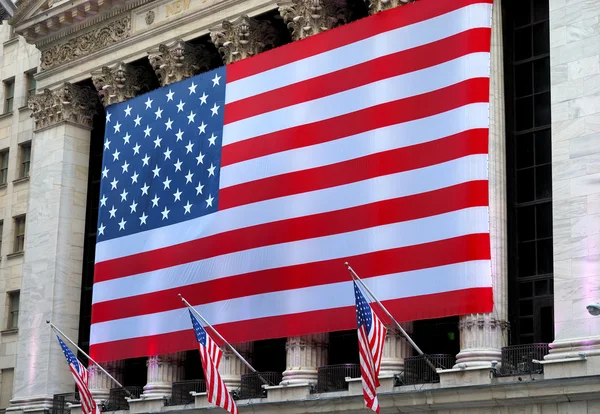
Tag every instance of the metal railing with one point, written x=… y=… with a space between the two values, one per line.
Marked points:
x=332 y=378
x=60 y=402
x=418 y=371
x=518 y=359
x=116 y=399
x=181 y=391
x=252 y=385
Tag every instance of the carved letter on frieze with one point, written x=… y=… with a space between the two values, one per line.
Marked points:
x=375 y=6
x=243 y=37
x=180 y=60
x=309 y=17
x=120 y=82
x=68 y=103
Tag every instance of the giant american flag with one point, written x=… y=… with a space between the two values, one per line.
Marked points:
x=81 y=377
x=246 y=188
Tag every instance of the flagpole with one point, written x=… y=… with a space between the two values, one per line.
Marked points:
x=87 y=356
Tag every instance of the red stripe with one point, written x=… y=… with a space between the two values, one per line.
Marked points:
x=474 y=141
x=344 y=35
x=460 y=302
x=440 y=253
x=471 y=41
x=474 y=90
x=412 y=207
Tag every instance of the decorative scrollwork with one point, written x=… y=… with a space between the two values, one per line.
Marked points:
x=376 y=6
x=120 y=82
x=309 y=17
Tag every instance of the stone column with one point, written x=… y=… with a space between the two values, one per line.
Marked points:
x=54 y=237
x=308 y=17
x=304 y=355
x=395 y=349
x=120 y=82
x=163 y=370
x=100 y=384
x=482 y=336
x=376 y=6
x=231 y=368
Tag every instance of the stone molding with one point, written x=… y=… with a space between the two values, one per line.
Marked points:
x=304 y=355
x=120 y=82
x=305 y=18
x=376 y=6
x=69 y=103
x=180 y=60
x=480 y=322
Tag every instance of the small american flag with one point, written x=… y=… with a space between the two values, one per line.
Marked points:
x=371 y=336
x=211 y=354
x=80 y=375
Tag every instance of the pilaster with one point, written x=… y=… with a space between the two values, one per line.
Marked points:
x=395 y=349
x=163 y=370
x=305 y=18
x=120 y=82
x=231 y=368
x=304 y=355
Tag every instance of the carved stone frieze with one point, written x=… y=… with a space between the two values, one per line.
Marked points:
x=120 y=82
x=375 y=6
x=180 y=60
x=481 y=322
x=309 y=17
x=87 y=43
x=243 y=37
x=69 y=103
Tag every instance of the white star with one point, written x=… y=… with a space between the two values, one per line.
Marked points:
x=191 y=117
x=145 y=160
x=178 y=165
x=136 y=149
x=187 y=208
x=192 y=88
x=145 y=189
x=101 y=228
x=122 y=224
x=168 y=154
x=216 y=79
x=103 y=200
x=134 y=177
x=199 y=188
x=167 y=183
x=133 y=207
x=128 y=111
x=157 y=141
x=211 y=170
x=117 y=127
x=188 y=177
x=215 y=109
x=116 y=155
x=124 y=195
x=156 y=171
x=180 y=106
x=209 y=201
x=147 y=131
x=108 y=114
x=177 y=195
x=125 y=167
x=158 y=113
x=105 y=172
x=143 y=218
x=113 y=184
x=155 y=201
x=165 y=213
x=138 y=120
x=202 y=128
x=126 y=138
x=179 y=135
x=148 y=103
x=170 y=95
x=107 y=144
x=203 y=98
x=169 y=124
x=112 y=212
x=200 y=158
x=212 y=139
x=189 y=147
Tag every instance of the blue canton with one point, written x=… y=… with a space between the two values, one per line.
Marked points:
x=198 y=329
x=162 y=157
x=363 y=310
x=71 y=358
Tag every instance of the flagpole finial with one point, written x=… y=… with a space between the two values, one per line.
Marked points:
x=179 y=294
x=346 y=264
x=47 y=320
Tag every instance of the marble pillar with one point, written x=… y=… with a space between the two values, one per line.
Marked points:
x=163 y=370
x=304 y=355
x=232 y=368
x=482 y=336
x=395 y=349
x=54 y=237
x=100 y=384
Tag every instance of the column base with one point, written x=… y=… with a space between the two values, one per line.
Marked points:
x=157 y=390
x=232 y=382
x=391 y=367
x=32 y=405
x=572 y=348
x=299 y=375
x=477 y=357
x=100 y=395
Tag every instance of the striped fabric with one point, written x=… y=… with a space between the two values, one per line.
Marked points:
x=80 y=375
x=367 y=143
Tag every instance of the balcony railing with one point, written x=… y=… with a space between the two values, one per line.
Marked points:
x=60 y=402
x=332 y=378
x=518 y=359
x=417 y=370
x=251 y=386
x=116 y=399
x=181 y=391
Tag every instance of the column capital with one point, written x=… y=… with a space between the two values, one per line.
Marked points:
x=376 y=6
x=243 y=37
x=69 y=103
x=309 y=17
x=120 y=82
x=180 y=60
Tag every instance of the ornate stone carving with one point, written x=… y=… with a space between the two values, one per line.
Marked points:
x=243 y=37
x=68 y=103
x=120 y=82
x=180 y=60
x=309 y=17
x=375 y=6
x=150 y=17
x=87 y=43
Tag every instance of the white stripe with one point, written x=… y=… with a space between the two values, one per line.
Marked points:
x=474 y=65
x=387 y=187
x=393 y=41
x=400 y=285
x=391 y=236
x=371 y=142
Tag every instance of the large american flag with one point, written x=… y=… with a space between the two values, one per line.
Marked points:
x=371 y=337
x=80 y=375
x=210 y=355
x=246 y=188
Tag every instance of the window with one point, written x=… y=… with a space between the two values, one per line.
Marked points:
x=1 y=230
x=3 y=167
x=6 y=387
x=25 y=160
x=31 y=84
x=13 y=309
x=9 y=95
x=19 y=233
